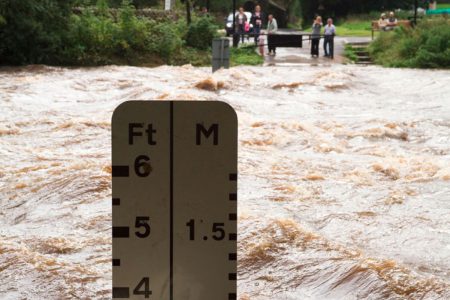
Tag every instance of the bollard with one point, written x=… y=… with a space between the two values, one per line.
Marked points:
x=221 y=54
x=261 y=42
x=236 y=38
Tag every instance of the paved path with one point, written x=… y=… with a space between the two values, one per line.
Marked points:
x=289 y=56
x=292 y=56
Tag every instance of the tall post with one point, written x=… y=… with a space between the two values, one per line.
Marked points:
x=235 y=39
x=416 y=4
x=234 y=16
x=188 y=11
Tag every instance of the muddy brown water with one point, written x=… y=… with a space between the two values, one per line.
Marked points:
x=344 y=178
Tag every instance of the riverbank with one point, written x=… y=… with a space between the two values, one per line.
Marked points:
x=425 y=46
x=343 y=177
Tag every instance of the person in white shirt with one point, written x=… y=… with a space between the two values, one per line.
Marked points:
x=241 y=18
x=272 y=28
x=328 y=44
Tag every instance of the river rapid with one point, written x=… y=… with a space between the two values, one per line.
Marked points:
x=344 y=178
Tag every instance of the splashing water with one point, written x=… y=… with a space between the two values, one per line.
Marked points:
x=344 y=178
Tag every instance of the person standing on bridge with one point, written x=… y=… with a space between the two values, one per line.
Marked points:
x=315 y=36
x=241 y=18
x=272 y=27
x=257 y=20
x=328 y=44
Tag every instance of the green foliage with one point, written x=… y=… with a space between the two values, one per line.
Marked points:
x=354 y=28
x=49 y=32
x=427 y=46
x=245 y=56
x=101 y=38
x=349 y=52
x=201 y=32
x=118 y=3
x=33 y=31
x=342 y=8
x=165 y=39
x=195 y=57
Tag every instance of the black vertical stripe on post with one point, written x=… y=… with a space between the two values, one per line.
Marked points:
x=171 y=200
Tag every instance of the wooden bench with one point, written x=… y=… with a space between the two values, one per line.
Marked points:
x=403 y=23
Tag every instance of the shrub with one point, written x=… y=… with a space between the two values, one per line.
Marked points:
x=93 y=38
x=33 y=31
x=426 y=46
x=201 y=32
x=97 y=37
x=165 y=39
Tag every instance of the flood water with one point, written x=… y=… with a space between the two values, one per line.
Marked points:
x=344 y=178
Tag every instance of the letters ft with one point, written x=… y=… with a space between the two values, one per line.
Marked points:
x=137 y=130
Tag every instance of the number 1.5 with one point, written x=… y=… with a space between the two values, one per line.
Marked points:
x=217 y=230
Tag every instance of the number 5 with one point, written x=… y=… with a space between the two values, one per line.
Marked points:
x=217 y=227
x=142 y=222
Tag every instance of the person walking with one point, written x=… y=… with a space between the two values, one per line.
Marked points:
x=315 y=36
x=241 y=20
x=257 y=20
x=272 y=28
x=328 y=44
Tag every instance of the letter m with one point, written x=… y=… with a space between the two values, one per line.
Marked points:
x=213 y=129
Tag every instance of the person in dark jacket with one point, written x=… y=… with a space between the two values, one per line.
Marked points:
x=241 y=19
x=257 y=20
x=315 y=36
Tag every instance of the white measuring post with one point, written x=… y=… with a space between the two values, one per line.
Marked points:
x=168 y=5
x=174 y=190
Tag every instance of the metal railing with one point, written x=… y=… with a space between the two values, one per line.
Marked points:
x=289 y=39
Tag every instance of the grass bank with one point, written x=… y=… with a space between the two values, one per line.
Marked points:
x=355 y=27
x=426 y=46
x=350 y=53
x=352 y=27
x=245 y=55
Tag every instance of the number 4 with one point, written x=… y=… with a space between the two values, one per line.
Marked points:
x=146 y=292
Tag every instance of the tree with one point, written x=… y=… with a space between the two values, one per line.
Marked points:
x=341 y=8
x=33 y=31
